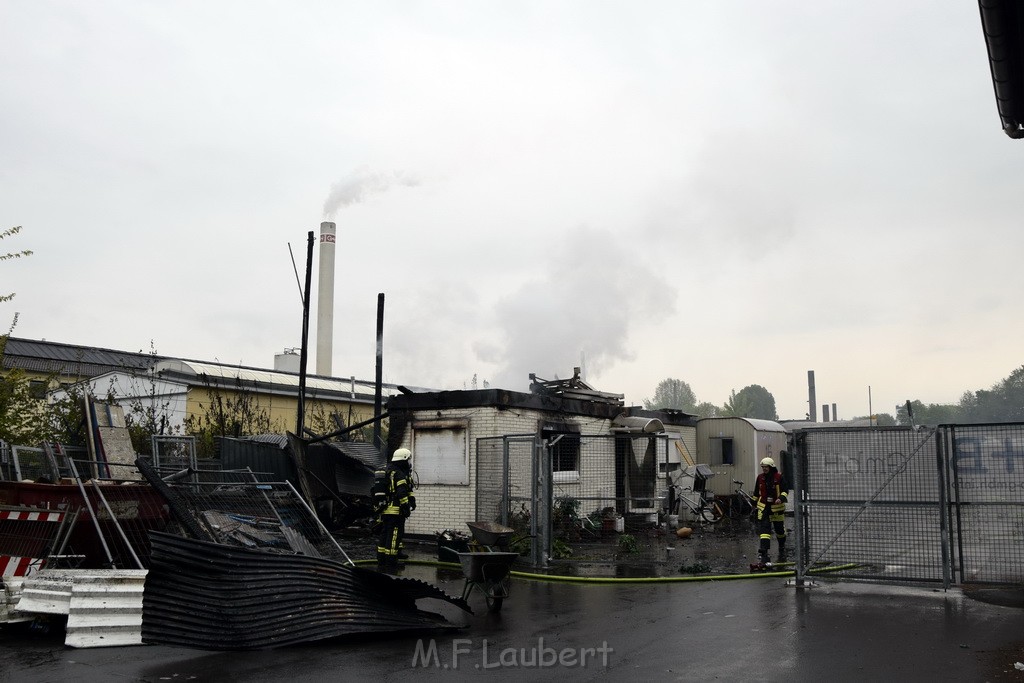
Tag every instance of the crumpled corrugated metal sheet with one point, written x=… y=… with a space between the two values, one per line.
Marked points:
x=365 y=453
x=215 y=597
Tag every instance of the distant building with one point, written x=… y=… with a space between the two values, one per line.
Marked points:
x=733 y=448
x=178 y=389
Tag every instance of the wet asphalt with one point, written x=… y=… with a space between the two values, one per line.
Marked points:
x=761 y=629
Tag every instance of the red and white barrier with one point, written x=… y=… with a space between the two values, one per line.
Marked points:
x=32 y=515
x=20 y=566
x=11 y=565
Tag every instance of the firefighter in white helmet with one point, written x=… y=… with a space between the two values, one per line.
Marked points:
x=395 y=506
x=771 y=491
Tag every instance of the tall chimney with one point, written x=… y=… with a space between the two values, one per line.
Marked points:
x=325 y=301
x=811 y=399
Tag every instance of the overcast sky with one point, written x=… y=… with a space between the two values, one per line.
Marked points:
x=728 y=193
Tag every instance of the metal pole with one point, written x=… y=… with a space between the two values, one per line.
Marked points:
x=546 y=493
x=871 y=415
x=940 y=464
x=380 y=372
x=304 y=354
x=346 y=430
x=504 y=481
x=540 y=512
x=799 y=568
x=319 y=523
x=92 y=513
x=117 y=525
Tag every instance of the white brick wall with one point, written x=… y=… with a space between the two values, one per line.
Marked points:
x=441 y=507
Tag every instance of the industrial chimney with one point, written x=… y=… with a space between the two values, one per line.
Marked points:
x=811 y=400
x=325 y=301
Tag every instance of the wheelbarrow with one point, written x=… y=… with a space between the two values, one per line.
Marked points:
x=488 y=572
x=491 y=534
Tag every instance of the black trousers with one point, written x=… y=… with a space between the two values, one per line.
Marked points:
x=766 y=523
x=391 y=532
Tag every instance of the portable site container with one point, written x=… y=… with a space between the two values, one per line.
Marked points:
x=734 y=446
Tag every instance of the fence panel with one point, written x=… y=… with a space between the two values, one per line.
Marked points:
x=604 y=489
x=985 y=471
x=872 y=498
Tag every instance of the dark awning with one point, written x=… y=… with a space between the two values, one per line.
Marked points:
x=1003 y=24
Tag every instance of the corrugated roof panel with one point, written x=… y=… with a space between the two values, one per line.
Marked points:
x=69 y=359
x=265 y=377
x=210 y=596
x=758 y=424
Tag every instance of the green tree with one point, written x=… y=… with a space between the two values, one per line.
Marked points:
x=752 y=401
x=26 y=419
x=706 y=409
x=734 y=406
x=21 y=421
x=878 y=420
x=17 y=407
x=65 y=417
x=10 y=232
x=930 y=414
x=236 y=412
x=1004 y=402
x=672 y=394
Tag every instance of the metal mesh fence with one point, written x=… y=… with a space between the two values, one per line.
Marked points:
x=269 y=516
x=610 y=477
x=914 y=504
x=604 y=490
x=111 y=515
x=499 y=495
x=985 y=475
x=115 y=514
x=872 y=500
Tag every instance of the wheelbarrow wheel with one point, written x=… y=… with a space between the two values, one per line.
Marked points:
x=494 y=604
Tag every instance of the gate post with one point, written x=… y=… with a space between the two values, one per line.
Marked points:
x=940 y=460
x=505 y=502
x=799 y=491
x=540 y=517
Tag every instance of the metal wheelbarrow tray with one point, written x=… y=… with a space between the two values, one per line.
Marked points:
x=489 y=572
x=490 y=533
x=486 y=566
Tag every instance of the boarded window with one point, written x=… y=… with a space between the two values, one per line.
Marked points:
x=440 y=454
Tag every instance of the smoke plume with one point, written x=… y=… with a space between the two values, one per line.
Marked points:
x=590 y=294
x=362 y=183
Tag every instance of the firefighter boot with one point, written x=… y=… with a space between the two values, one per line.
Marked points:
x=389 y=565
x=782 y=549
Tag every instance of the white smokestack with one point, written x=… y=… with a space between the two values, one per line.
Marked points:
x=325 y=301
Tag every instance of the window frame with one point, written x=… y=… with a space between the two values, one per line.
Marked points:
x=567 y=448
